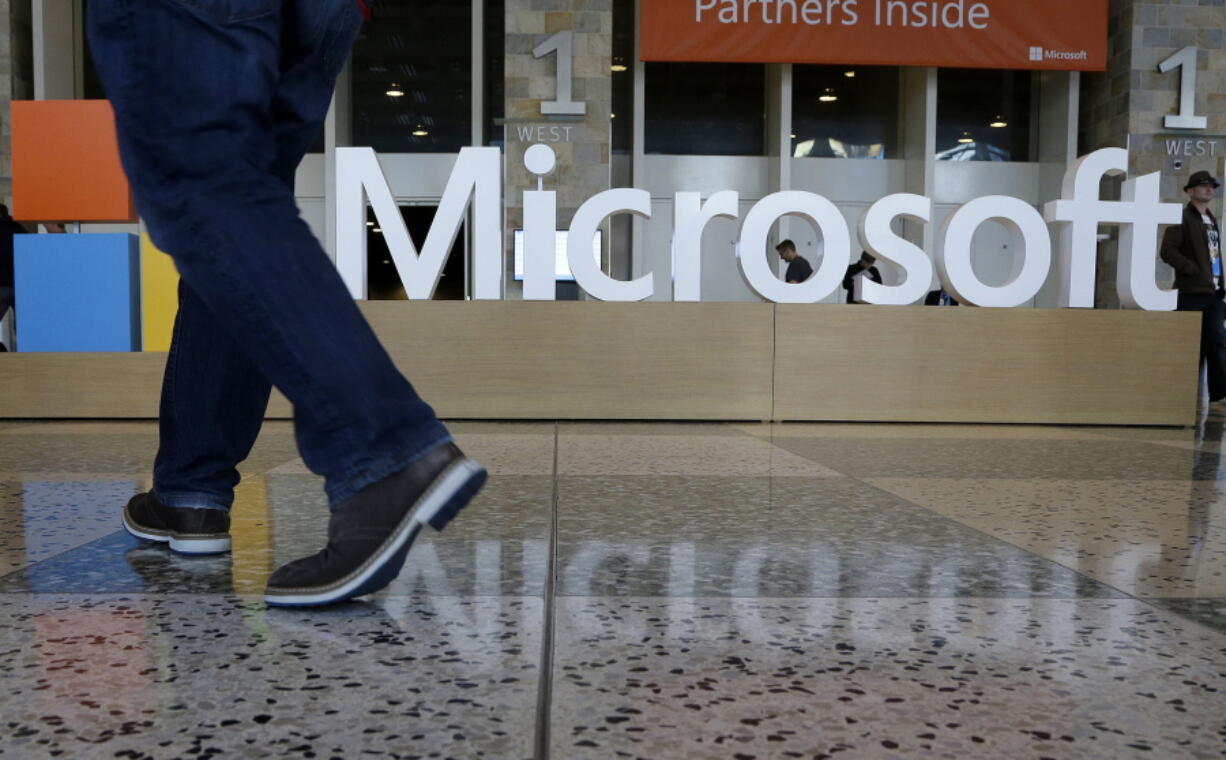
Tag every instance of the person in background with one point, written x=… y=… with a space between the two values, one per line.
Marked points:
x=8 y=294
x=863 y=267
x=798 y=267
x=939 y=298
x=1193 y=248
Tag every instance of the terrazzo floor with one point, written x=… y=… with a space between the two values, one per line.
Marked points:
x=649 y=591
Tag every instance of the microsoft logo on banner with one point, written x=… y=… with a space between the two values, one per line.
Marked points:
x=1036 y=53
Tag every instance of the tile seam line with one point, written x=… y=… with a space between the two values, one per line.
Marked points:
x=544 y=701
x=984 y=533
x=1152 y=603
x=774 y=368
x=1003 y=541
x=6 y=575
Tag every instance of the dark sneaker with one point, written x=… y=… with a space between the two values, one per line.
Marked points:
x=188 y=531
x=369 y=535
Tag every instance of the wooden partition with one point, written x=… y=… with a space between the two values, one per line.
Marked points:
x=717 y=361
x=925 y=364
x=584 y=359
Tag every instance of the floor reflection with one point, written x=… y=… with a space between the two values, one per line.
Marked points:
x=691 y=591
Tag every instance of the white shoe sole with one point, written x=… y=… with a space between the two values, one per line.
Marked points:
x=179 y=544
x=459 y=476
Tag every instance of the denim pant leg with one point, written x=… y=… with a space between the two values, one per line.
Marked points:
x=193 y=83
x=1213 y=346
x=214 y=398
x=213 y=404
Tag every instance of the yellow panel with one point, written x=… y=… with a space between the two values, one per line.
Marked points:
x=159 y=287
x=251 y=526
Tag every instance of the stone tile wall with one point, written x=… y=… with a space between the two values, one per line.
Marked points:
x=582 y=143
x=16 y=79
x=1126 y=106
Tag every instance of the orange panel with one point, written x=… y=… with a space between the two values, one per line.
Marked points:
x=66 y=163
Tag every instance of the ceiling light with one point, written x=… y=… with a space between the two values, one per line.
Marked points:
x=420 y=131
x=618 y=68
x=793 y=135
x=377 y=230
x=370 y=224
x=612 y=116
x=966 y=139
x=828 y=96
x=395 y=92
x=1000 y=123
x=849 y=74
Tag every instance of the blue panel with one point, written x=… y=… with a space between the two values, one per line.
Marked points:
x=77 y=292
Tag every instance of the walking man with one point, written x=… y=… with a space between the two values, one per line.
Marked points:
x=216 y=102
x=799 y=269
x=1194 y=249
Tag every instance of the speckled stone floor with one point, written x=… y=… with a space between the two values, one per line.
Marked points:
x=649 y=591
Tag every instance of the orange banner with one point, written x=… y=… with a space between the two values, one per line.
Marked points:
x=1066 y=35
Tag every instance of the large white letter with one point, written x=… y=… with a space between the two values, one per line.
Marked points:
x=1031 y=252
x=540 y=245
x=579 y=245
x=540 y=227
x=1080 y=212
x=1135 y=274
x=1077 y=217
x=752 y=252
x=879 y=240
x=690 y=218
x=476 y=175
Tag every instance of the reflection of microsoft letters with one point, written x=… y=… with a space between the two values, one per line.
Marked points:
x=921 y=14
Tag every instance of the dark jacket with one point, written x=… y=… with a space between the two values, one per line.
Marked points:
x=8 y=228
x=1186 y=248
x=934 y=299
x=798 y=270
x=849 y=279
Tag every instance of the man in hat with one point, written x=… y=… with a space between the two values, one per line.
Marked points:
x=1194 y=249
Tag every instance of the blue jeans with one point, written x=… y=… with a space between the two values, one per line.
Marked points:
x=1212 y=338
x=216 y=102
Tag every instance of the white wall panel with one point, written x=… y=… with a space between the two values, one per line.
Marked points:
x=310 y=180
x=962 y=181
x=841 y=179
x=313 y=211
x=665 y=175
